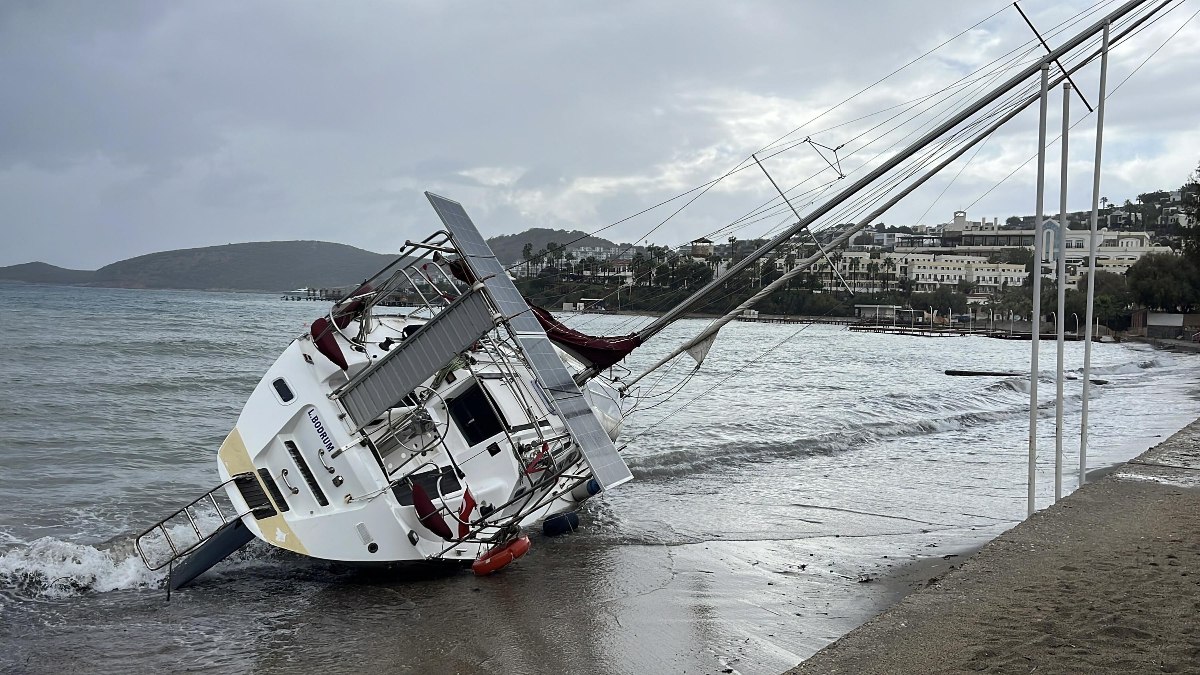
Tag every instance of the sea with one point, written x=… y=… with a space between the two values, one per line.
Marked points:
x=783 y=490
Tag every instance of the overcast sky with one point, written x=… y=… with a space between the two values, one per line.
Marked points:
x=128 y=128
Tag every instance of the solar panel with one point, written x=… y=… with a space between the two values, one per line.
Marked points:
x=417 y=358
x=568 y=401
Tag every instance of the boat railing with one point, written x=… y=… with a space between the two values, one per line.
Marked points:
x=410 y=275
x=189 y=517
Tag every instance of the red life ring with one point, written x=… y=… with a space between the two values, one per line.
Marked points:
x=499 y=557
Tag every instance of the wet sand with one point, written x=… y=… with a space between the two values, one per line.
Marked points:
x=1107 y=580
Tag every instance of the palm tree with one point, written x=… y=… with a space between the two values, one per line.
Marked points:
x=889 y=266
x=527 y=255
x=873 y=274
x=836 y=259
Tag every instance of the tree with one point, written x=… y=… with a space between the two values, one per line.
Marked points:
x=527 y=255
x=1166 y=282
x=1191 y=208
x=889 y=266
x=1107 y=283
x=855 y=264
x=835 y=258
x=1013 y=221
x=940 y=300
x=873 y=273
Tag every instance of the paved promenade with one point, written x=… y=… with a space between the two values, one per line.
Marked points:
x=1107 y=580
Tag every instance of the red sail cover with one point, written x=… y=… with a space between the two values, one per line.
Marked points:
x=600 y=352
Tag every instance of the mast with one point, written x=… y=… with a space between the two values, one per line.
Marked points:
x=1060 y=274
x=1036 y=317
x=679 y=310
x=1091 y=291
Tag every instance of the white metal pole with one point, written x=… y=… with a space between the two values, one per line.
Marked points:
x=1036 y=319
x=1061 y=314
x=1091 y=291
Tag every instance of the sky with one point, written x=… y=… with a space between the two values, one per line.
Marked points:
x=133 y=127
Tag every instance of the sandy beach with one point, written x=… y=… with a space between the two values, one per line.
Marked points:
x=1107 y=580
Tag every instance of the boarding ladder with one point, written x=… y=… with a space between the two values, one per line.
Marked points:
x=187 y=516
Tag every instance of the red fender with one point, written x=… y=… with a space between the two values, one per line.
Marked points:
x=322 y=333
x=501 y=556
x=427 y=513
x=322 y=330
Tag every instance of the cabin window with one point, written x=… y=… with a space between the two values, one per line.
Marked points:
x=473 y=413
x=284 y=391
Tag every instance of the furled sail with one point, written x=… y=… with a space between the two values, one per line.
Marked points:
x=596 y=352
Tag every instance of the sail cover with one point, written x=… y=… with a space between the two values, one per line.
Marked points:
x=599 y=352
x=596 y=351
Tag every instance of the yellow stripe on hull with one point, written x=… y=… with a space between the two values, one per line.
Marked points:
x=275 y=530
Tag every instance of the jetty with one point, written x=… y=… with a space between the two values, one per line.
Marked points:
x=769 y=318
x=944 y=330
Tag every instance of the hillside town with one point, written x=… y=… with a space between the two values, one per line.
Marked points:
x=961 y=267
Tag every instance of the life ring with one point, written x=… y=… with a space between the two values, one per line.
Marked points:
x=499 y=557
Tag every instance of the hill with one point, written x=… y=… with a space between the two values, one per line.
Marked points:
x=262 y=266
x=44 y=273
x=508 y=246
x=258 y=266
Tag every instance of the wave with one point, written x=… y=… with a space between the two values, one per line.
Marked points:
x=1128 y=368
x=52 y=568
x=684 y=462
x=681 y=462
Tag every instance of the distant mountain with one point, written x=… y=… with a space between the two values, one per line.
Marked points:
x=262 y=266
x=259 y=266
x=508 y=246
x=44 y=273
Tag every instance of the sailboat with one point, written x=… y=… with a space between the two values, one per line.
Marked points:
x=446 y=431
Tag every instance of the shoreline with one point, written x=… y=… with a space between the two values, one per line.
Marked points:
x=1106 y=579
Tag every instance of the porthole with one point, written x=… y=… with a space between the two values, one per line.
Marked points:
x=284 y=391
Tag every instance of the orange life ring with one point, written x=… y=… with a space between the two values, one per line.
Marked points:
x=499 y=557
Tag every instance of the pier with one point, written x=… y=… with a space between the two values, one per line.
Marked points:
x=828 y=320
x=335 y=294
x=954 y=331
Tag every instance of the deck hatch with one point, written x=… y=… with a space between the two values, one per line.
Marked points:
x=434 y=482
x=553 y=377
x=473 y=414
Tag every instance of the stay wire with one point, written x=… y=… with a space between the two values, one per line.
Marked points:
x=1109 y=95
x=742 y=164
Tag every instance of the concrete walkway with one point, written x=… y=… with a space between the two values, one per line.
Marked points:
x=1107 y=580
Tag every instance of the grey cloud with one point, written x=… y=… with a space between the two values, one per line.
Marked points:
x=143 y=126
